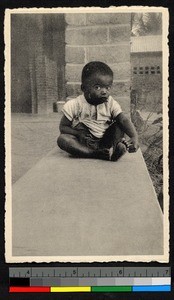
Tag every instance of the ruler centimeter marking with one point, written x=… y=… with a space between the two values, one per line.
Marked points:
x=21 y=272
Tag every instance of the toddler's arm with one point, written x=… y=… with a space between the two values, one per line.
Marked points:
x=127 y=126
x=65 y=127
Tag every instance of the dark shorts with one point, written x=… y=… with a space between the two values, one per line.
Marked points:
x=91 y=141
x=111 y=136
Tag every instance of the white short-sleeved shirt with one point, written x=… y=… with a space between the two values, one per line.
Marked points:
x=96 y=118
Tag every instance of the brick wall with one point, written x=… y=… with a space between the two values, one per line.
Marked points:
x=44 y=71
x=104 y=37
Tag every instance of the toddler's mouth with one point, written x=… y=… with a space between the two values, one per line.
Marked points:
x=97 y=101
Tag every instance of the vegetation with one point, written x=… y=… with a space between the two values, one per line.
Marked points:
x=146 y=24
x=150 y=137
x=149 y=124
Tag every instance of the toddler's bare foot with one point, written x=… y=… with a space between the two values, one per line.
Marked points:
x=125 y=143
x=103 y=154
x=118 y=150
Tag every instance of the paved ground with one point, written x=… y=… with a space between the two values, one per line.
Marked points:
x=33 y=137
x=78 y=207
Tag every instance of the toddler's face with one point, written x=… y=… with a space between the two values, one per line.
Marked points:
x=97 y=88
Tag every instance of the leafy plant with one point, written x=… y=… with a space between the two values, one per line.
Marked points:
x=150 y=137
x=146 y=24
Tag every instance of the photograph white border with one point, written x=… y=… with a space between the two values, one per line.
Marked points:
x=8 y=173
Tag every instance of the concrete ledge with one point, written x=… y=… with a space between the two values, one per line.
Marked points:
x=67 y=207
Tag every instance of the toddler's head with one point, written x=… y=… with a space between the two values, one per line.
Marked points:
x=97 y=78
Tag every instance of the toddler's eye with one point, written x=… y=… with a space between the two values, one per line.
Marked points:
x=97 y=87
x=108 y=88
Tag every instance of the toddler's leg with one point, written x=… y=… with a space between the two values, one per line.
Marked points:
x=114 y=139
x=112 y=135
x=70 y=144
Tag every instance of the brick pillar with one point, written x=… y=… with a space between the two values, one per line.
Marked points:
x=46 y=60
x=99 y=36
x=37 y=64
x=20 y=73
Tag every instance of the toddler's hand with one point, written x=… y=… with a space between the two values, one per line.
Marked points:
x=133 y=145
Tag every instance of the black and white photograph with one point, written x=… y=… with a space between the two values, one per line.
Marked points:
x=86 y=134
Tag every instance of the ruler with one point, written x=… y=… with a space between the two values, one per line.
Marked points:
x=89 y=279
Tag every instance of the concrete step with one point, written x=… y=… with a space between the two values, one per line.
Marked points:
x=65 y=206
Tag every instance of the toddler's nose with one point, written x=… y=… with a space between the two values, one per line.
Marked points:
x=103 y=90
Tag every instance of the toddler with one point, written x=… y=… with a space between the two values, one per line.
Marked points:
x=93 y=124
